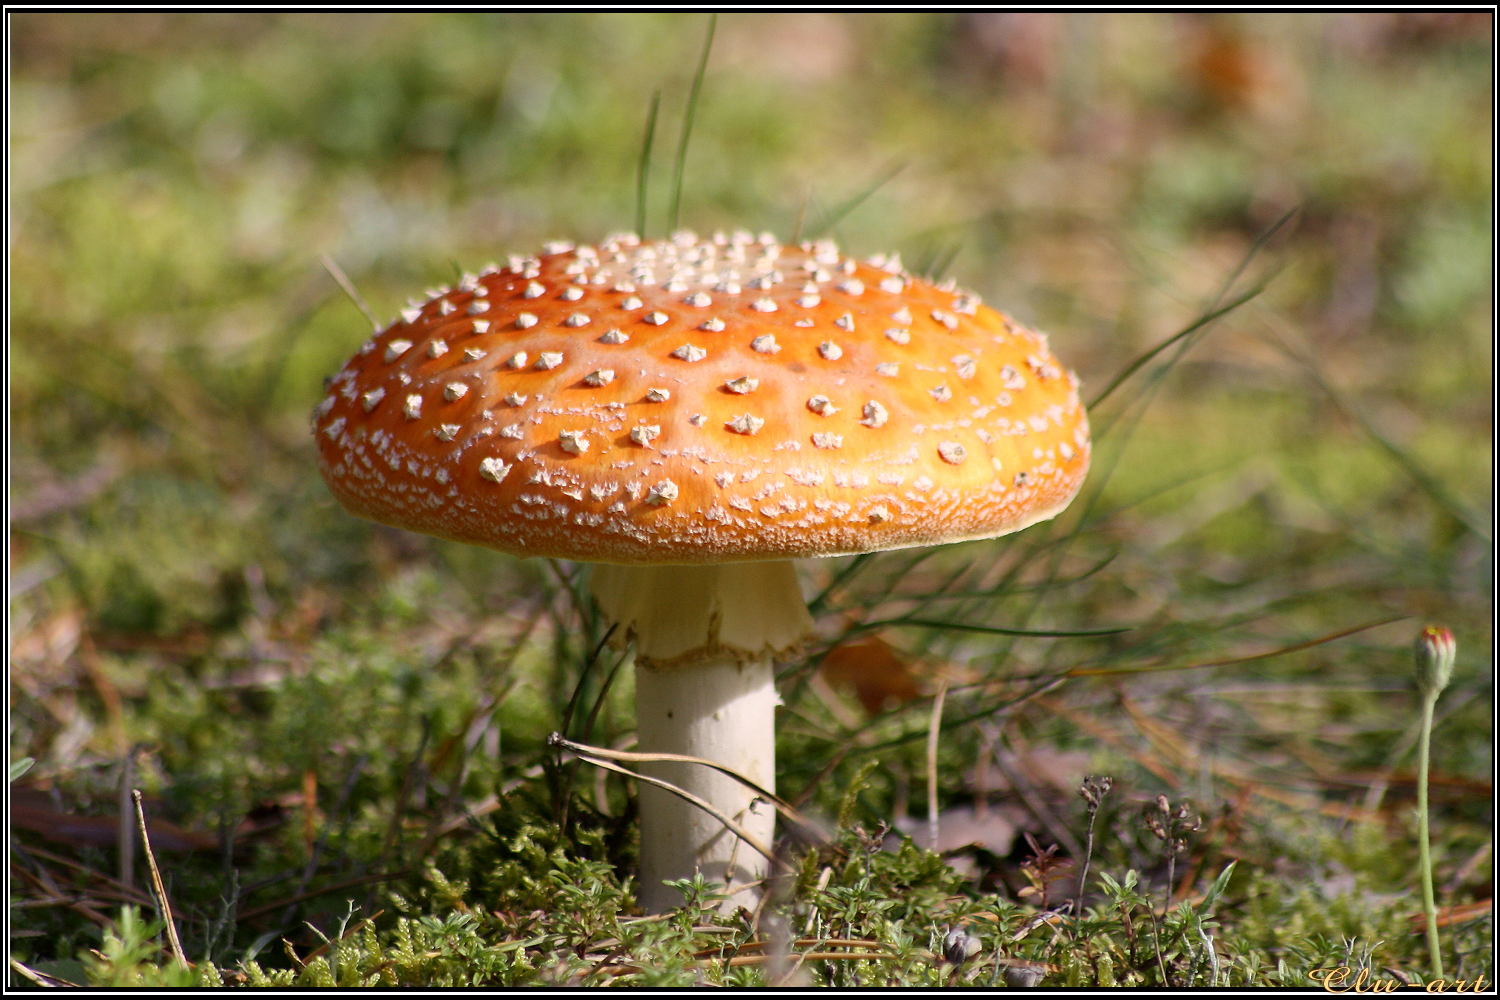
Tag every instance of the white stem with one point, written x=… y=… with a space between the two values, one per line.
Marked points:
x=704 y=687
x=723 y=710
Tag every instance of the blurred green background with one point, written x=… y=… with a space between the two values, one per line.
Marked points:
x=185 y=593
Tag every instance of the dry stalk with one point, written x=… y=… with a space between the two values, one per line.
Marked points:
x=933 y=729
x=156 y=885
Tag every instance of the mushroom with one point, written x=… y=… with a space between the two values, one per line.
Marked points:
x=798 y=425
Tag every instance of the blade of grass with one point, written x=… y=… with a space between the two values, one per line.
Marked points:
x=44 y=979
x=986 y=712
x=643 y=169
x=1215 y=311
x=801 y=217
x=588 y=724
x=565 y=795
x=846 y=574
x=1253 y=252
x=338 y=275
x=939 y=268
x=1187 y=331
x=928 y=640
x=588 y=665
x=1003 y=588
x=992 y=630
x=804 y=670
x=838 y=212
x=687 y=124
x=1135 y=409
x=1229 y=661
x=1428 y=483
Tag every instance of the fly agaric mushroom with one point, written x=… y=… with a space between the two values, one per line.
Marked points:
x=691 y=415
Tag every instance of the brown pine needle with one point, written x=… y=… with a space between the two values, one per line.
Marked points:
x=1447 y=916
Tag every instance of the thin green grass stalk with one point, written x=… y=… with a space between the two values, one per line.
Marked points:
x=1199 y=325
x=840 y=211
x=338 y=275
x=801 y=218
x=643 y=168
x=566 y=794
x=928 y=640
x=1424 y=839
x=567 y=719
x=992 y=713
x=1435 y=651
x=940 y=267
x=687 y=124
x=1213 y=312
x=1428 y=483
x=992 y=630
x=588 y=724
x=1254 y=251
x=1081 y=671
x=815 y=606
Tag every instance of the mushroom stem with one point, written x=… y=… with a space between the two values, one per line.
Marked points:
x=705 y=638
x=722 y=710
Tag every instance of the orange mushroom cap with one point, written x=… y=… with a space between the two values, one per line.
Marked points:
x=702 y=401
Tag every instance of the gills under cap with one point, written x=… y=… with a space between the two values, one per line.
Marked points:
x=702 y=401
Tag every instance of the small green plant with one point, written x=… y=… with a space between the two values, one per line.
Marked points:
x=1092 y=791
x=1435 y=652
x=1041 y=870
x=132 y=955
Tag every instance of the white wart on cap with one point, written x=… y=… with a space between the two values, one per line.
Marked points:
x=961 y=426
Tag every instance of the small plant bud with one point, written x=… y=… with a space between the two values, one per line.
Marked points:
x=1163 y=805
x=1024 y=977
x=1093 y=790
x=959 y=946
x=1435 y=650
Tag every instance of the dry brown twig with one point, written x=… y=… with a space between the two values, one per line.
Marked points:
x=718 y=814
x=156 y=885
x=789 y=812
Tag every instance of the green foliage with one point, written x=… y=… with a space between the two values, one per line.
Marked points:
x=131 y=956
